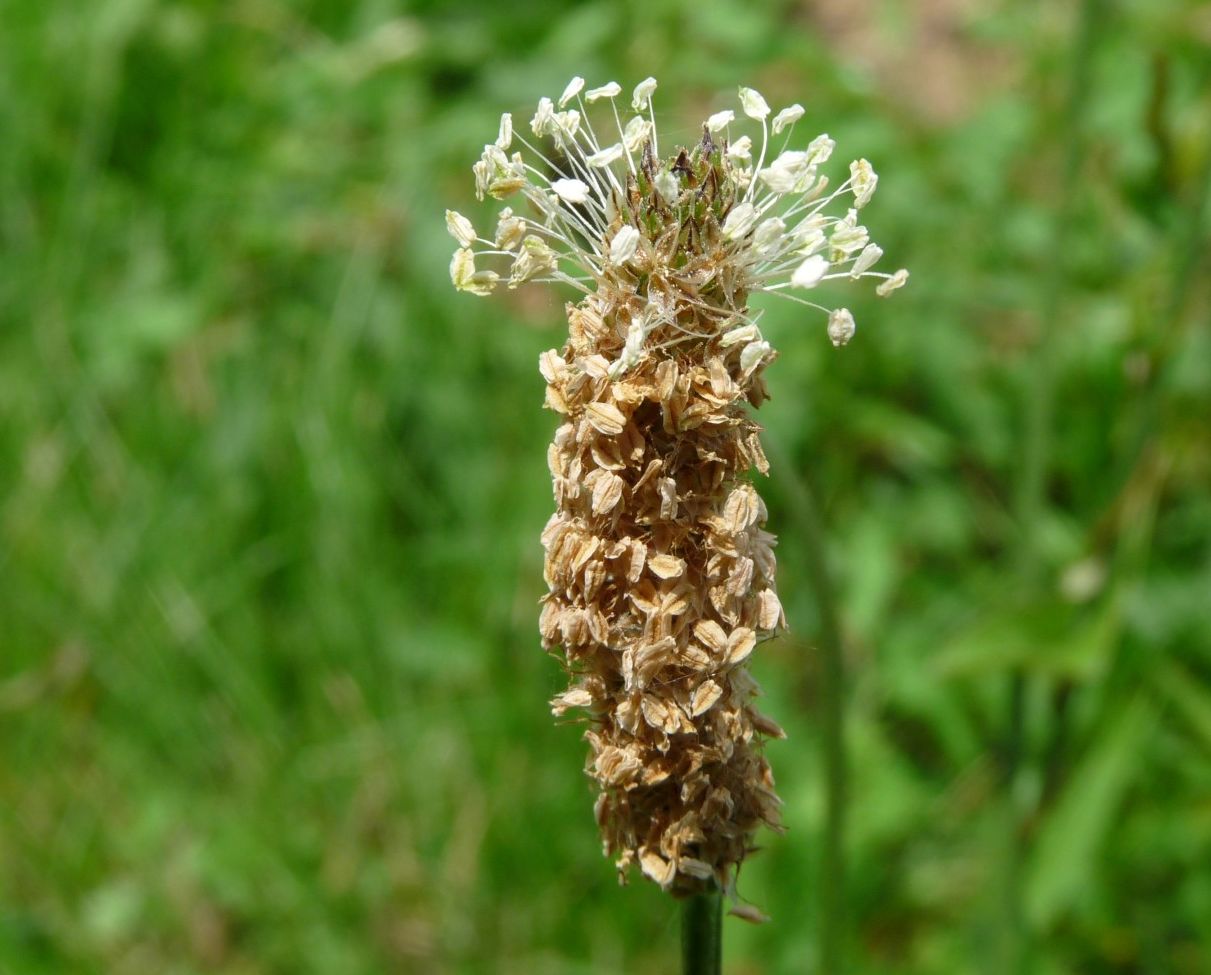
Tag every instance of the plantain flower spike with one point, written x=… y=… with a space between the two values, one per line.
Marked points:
x=659 y=567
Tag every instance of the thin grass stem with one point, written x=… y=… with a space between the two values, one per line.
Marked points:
x=809 y=524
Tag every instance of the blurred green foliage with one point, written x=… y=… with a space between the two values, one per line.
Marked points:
x=271 y=698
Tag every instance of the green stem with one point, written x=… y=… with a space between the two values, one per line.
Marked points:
x=832 y=715
x=806 y=515
x=1188 y=247
x=702 y=934
x=1014 y=949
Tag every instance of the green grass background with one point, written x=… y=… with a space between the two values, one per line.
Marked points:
x=271 y=695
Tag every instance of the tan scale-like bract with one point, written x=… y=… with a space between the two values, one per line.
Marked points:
x=660 y=570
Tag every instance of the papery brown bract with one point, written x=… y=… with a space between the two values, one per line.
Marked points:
x=661 y=576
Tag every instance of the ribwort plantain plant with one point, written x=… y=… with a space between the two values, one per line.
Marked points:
x=659 y=568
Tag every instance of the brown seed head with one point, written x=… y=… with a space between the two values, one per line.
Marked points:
x=659 y=569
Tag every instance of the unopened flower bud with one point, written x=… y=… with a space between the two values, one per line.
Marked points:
x=740 y=221
x=667 y=186
x=622 y=247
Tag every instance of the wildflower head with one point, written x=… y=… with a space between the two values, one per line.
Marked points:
x=737 y=213
x=659 y=568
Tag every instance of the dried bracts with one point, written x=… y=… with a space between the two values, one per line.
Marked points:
x=659 y=567
x=661 y=581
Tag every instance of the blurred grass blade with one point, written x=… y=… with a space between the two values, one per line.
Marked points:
x=1065 y=861
x=1189 y=698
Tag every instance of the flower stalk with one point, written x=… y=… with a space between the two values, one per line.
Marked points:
x=702 y=934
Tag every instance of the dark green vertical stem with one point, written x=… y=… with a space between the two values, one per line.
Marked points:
x=702 y=934
x=1039 y=395
x=832 y=713
x=805 y=511
x=1014 y=941
x=1189 y=247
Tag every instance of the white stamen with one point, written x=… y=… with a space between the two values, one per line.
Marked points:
x=753 y=104
x=864 y=180
x=460 y=228
x=740 y=221
x=624 y=244
x=571 y=91
x=820 y=148
x=752 y=355
x=544 y=118
x=605 y=156
x=809 y=273
x=509 y=230
x=786 y=173
x=571 y=190
x=741 y=150
x=742 y=333
x=636 y=133
x=866 y=260
x=643 y=94
x=768 y=235
x=610 y=89
x=788 y=116
x=897 y=280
